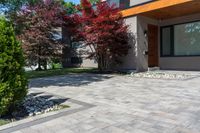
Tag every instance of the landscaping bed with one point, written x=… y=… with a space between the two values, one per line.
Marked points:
x=162 y=75
x=34 y=104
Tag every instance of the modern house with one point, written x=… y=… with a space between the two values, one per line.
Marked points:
x=167 y=34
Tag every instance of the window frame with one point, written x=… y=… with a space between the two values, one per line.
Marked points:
x=172 y=41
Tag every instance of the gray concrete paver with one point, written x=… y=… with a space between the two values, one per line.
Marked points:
x=124 y=104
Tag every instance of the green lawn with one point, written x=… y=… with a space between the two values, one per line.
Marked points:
x=56 y=72
x=3 y=122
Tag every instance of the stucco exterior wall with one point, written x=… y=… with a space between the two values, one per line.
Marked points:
x=128 y=3
x=89 y=63
x=69 y=52
x=180 y=63
x=129 y=61
x=82 y=52
x=137 y=2
x=142 y=42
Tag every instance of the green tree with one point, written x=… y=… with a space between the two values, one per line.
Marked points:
x=70 y=7
x=94 y=1
x=13 y=84
x=14 y=5
x=10 y=7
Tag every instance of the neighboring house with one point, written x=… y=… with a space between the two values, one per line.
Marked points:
x=56 y=36
x=167 y=34
x=75 y=54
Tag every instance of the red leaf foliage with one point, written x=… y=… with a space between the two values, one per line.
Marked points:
x=37 y=27
x=103 y=29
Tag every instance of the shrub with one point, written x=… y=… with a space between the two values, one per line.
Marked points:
x=13 y=84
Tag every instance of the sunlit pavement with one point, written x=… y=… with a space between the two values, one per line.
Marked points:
x=123 y=104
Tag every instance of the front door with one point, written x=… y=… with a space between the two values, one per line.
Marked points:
x=153 y=45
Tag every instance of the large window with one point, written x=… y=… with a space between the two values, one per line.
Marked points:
x=181 y=40
x=166 y=41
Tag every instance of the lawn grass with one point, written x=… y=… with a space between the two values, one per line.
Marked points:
x=3 y=122
x=57 y=72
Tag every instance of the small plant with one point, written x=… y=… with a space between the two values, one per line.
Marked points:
x=13 y=84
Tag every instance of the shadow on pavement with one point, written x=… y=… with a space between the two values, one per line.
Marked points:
x=69 y=80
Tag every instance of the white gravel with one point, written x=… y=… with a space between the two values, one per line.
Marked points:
x=36 y=105
x=161 y=75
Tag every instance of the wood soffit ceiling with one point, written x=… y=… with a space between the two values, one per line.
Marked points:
x=165 y=9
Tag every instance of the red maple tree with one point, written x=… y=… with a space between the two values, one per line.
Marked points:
x=102 y=28
x=37 y=25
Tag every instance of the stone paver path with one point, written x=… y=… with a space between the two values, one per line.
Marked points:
x=123 y=104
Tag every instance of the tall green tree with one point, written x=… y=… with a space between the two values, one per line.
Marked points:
x=13 y=84
x=10 y=7
x=70 y=7
x=93 y=2
x=14 y=5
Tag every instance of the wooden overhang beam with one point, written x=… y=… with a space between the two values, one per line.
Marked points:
x=155 y=5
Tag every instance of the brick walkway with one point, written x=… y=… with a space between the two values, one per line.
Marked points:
x=123 y=104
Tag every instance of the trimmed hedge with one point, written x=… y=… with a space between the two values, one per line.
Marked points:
x=13 y=84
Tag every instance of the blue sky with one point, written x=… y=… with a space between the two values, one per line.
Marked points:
x=74 y=1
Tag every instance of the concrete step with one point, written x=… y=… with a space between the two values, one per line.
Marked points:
x=153 y=68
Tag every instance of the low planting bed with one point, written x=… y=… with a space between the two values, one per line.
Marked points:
x=163 y=75
x=34 y=104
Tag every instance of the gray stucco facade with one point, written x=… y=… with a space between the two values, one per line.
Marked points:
x=129 y=62
x=139 y=61
x=137 y=2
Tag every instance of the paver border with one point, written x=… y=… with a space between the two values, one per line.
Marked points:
x=84 y=106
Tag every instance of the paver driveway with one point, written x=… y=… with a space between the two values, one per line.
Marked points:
x=123 y=104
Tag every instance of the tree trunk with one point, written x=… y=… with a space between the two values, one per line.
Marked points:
x=45 y=64
x=102 y=63
x=39 y=59
x=39 y=64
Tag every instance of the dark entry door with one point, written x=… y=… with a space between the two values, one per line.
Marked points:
x=153 y=45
